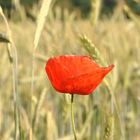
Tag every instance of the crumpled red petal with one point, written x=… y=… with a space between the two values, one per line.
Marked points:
x=75 y=74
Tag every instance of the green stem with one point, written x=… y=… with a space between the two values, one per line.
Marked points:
x=72 y=118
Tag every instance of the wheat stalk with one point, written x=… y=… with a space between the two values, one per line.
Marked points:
x=12 y=51
x=96 y=6
x=41 y=21
x=40 y=24
x=38 y=106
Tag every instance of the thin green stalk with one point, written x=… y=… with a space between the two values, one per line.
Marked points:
x=72 y=118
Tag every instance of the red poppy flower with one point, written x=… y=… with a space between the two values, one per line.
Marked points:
x=75 y=74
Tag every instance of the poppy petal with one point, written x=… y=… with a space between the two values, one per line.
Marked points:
x=75 y=74
x=87 y=83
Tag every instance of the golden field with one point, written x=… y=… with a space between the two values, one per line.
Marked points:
x=110 y=113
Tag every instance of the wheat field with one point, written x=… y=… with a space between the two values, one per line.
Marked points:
x=110 y=113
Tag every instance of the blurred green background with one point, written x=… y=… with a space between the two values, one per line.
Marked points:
x=112 y=112
x=85 y=6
